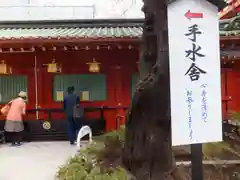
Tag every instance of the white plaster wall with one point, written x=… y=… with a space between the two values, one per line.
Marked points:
x=118 y=8
x=69 y=9
x=45 y=13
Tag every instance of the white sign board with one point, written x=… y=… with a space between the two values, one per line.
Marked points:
x=196 y=111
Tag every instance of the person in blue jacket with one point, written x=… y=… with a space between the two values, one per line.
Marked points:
x=70 y=103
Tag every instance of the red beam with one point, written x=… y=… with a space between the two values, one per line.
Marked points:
x=229 y=38
x=67 y=40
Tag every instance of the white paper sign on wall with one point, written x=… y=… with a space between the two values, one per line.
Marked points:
x=194 y=72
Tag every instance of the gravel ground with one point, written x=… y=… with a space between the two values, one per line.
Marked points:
x=35 y=160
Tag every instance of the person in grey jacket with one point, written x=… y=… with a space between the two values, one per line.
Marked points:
x=71 y=101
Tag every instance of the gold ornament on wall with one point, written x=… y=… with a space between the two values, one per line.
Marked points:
x=4 y=68
x=53 y=67
x=46 y=125
x=93 y=66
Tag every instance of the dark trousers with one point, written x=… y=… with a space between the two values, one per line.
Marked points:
x=15 y=137
x=72 y=129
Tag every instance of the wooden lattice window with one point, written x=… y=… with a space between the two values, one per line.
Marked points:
x=10 y=86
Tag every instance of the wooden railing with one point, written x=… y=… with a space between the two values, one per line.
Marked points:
x=103 y=109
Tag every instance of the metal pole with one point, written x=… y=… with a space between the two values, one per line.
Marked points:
x=36 y=85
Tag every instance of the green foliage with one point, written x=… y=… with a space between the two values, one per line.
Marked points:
x=120 y=134
x=90 y=163
x=85 y=166
x=211 y=150
x=116 y=134
x=236 y=117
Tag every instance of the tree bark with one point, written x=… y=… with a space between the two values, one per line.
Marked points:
x=148 y=151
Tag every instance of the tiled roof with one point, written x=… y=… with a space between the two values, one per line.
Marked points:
x=40 y=33
x=230 y=27
x=66 y=30
x=94 y=29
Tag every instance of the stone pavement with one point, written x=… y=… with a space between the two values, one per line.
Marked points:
x=34 y=161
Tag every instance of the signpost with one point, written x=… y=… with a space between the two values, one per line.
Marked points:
x=195 y=82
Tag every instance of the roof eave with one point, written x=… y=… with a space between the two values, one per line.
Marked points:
x=73 y=23
x=62 y=40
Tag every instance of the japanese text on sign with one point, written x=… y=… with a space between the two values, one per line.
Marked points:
x=204 y=102
x=189 y=103
x=194 y=71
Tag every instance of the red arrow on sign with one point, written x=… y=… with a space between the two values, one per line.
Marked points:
x=191 y=15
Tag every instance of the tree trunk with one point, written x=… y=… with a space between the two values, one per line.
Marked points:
x=148 y=152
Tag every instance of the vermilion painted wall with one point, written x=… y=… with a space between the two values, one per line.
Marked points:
x=117 y=65
x=230 y=88
x=23 y=64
